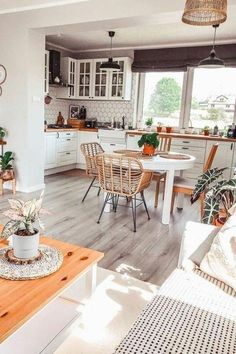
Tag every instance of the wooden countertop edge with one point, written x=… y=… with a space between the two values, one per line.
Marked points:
x=141 y=132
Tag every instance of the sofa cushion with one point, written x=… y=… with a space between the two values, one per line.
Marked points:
x=220 y=261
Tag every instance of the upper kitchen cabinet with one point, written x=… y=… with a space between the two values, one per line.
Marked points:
x=85 y=79
x=46 y=72
x=68 y=73
x=121 y=81
x=96 y=84
x=100 y=85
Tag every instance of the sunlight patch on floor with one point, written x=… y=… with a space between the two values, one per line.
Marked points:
x=109 y=314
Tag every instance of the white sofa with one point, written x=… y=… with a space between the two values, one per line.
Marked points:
x=192 y=312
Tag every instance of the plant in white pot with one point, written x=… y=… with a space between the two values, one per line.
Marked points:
x=23 y=216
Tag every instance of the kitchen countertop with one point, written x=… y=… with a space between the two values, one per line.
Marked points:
x=140 y=132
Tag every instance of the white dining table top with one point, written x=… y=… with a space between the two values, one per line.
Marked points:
x=162 y=163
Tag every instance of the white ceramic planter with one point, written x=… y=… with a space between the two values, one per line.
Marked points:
x=25 y=246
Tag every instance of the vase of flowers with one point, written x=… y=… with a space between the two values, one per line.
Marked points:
x=23 y=216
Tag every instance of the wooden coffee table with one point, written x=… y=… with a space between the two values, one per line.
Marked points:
x=21 y=300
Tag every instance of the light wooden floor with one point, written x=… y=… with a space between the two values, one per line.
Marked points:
x=150 y=254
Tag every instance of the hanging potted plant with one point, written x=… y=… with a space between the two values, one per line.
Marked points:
x=2 y=133
x=149 y=142
x=6 y=172
x=148 y=124
x=220 y=196
x=25 y=237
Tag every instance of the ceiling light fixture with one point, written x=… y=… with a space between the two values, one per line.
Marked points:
x=110 y=65
x=205 y=12
x=212 y=62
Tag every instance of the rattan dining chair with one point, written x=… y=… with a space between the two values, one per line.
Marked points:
x=122 y=176
x=186 y=186
x=160 y=176
x=90 y=151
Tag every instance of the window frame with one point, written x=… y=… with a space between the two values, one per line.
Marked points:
x=186 y=100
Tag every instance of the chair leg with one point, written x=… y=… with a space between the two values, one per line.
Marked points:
x=1 y=187
x=157 y=193
x=103 y=207
x=144 y=203
x=99 y=190
x=134 y=211
x=116 y=202
x=88 y=189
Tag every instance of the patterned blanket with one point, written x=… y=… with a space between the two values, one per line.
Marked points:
x=190 y=315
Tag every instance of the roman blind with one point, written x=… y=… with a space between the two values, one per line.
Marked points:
x=178 y=59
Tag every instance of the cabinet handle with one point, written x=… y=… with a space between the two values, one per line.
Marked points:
x=68 y=139
x=57 y=135
x=231 y=148
x=112 y=144
x=184 y=148
x=67 y=153
x=67 y=133
x=186 y=142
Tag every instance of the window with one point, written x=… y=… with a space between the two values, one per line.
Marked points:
x=213 y=97
x=162 y=97
x=199 y=98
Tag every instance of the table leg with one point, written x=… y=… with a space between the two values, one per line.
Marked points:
x=180 y=197
x=168 y=195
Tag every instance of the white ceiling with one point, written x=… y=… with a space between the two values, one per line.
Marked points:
x=138 y=23
x=11 y=6
x=163 y=28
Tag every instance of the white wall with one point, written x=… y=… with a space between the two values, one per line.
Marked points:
x=22 y=55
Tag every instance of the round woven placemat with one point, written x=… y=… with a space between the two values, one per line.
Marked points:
x=135 y=154
x=49 y=263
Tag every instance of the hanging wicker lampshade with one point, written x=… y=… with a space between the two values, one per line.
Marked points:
x=205 y=12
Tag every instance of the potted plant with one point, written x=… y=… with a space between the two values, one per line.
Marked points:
x=159 y=127
x=206 y=130
x=6 y=172
x=149 y=142
x=219 y=196
x=148 y=124
x=22 y=215
x=2 y=133
x=168 y=129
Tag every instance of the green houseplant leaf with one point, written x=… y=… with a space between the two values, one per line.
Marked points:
x=5 y=161
x=204 y=182
x=149 y=139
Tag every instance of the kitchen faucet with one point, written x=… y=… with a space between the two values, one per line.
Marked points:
x=123 y=122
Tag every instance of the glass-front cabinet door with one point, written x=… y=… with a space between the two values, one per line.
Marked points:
x=120 y=81
x=72 y=77
x=85 y=79
x=100 y=87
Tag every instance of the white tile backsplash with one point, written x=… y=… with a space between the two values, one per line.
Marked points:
x=102 y=110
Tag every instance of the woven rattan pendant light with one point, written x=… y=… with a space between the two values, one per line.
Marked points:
x=205 y=12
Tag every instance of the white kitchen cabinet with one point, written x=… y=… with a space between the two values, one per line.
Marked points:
x=132 y=141
x=50 y=150
x=121 y=81
x=85 y=79
x=85 y=137
x=69 y=76
x=223 y=157
x=94 y=84
x=46 y=72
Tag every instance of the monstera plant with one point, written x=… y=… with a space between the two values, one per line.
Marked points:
x=219 y=195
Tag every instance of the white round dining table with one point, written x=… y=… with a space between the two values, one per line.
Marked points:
x=158 y=163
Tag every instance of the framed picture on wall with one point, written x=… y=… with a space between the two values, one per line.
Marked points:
x=74 y=111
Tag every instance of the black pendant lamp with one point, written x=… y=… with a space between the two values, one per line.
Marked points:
x=110 y=65
x=212 y=62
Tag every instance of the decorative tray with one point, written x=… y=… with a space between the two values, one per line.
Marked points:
x=175 y=156
x=48 y=261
